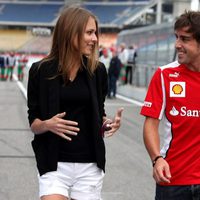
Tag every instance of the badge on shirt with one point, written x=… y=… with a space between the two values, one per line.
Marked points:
x=177 y=89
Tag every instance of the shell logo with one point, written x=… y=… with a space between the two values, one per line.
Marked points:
x=177 y=89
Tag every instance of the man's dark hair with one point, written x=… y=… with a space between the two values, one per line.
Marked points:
x=190 y=19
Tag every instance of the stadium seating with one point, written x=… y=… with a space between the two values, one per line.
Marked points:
x=37 y=45
x=108 y=13
x=15 y=12
x=13 y=39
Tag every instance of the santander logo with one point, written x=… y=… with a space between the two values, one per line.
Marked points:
x=173 y=111
x=184 y=112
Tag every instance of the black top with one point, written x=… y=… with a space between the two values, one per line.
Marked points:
x=75 y=100
x=44 y=102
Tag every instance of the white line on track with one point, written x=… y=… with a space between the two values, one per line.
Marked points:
x=138 y=103
x=21 y=86
x=24 y=92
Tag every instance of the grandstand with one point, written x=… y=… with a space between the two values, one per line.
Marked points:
x=14 y=39
x=113 y=15
x=29 y=16
x=23 y=24
x=44 y=13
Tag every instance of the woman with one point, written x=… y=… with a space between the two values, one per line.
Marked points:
x=66 y=93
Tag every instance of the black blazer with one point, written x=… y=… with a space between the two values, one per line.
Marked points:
x=43 y=103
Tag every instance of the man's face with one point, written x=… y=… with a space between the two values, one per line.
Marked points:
x=188 y=49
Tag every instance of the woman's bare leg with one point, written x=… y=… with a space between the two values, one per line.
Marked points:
x=54 y=197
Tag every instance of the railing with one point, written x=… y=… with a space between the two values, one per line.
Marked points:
x=155 y=47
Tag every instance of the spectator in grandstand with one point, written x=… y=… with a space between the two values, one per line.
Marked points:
x=173 y=95
x=113 y=75
x=66 y=94
x=22 y=62
x=132 y=54
x=123 y=56
x=3 y=65
x=11 y=61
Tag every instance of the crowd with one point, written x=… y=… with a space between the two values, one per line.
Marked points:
x=120 y=63
x=8 y=62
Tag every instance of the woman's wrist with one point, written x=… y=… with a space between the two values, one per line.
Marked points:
x=39 y=126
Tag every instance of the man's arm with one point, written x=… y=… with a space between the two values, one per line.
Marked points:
x=151 y=137
x=161 y=171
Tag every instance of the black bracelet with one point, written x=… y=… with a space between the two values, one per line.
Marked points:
x=156 y=158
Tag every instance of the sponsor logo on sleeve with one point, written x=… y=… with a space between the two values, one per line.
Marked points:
x=147 y=104
x=177 y=89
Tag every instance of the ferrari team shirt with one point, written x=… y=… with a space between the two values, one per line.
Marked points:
x=174 y=97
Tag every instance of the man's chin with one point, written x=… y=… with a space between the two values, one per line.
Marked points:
x=181 y=60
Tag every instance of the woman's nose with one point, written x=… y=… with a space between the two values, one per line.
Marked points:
x=94 y=37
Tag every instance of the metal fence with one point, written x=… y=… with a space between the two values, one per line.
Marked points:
x=155 y=47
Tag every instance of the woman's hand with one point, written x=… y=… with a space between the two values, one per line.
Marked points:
x=63 y=128
x=115 y=123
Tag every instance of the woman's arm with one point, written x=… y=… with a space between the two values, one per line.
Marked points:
x=57 y=125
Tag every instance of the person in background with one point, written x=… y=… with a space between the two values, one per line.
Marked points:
x=173 y=96
x=113 y=75
x=22 y=62
x=3 y=65
x=101 y=47
x=11 y=60
x=66 y=95
x=105 y=57
x=132 y=54
x=123 y=56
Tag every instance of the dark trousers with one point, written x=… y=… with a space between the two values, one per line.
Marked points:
x=112 y=85
x=129 y=74
x=183 y=192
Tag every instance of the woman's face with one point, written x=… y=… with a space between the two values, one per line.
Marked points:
x=89 y=37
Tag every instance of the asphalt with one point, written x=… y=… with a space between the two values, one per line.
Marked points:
x=18 y=175
x=130 y=92
x=128 y=171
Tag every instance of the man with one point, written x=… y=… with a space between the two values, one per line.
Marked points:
x=173 y=96
x=11 y=59
x=113 y=75
x=3 y=65
x=123 y=56
x=22 y=62
x=130 y=68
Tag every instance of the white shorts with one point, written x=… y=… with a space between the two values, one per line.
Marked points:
x=80 y=181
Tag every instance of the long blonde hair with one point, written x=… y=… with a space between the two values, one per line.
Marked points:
x=72 y=23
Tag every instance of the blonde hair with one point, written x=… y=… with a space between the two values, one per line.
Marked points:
x=72 y=23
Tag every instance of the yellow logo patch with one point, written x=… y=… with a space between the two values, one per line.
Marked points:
x=177 y=89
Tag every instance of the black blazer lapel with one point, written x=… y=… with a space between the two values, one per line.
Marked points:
x=53 y=109
x=91 y=80
x=96 y=122
x=54 y=94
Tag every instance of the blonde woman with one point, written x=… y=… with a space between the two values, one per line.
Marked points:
x=66 y=94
